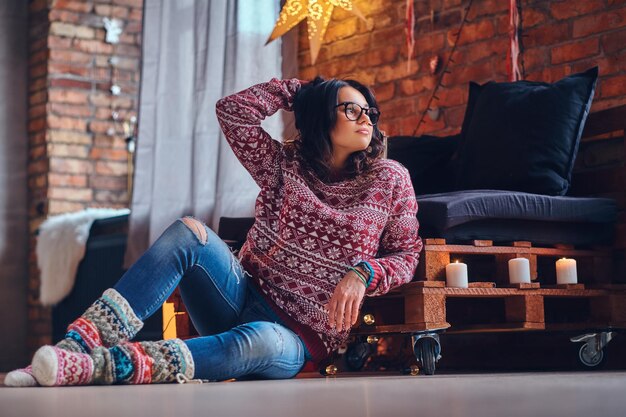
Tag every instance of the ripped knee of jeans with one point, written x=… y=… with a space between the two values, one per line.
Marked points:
x=198 y=228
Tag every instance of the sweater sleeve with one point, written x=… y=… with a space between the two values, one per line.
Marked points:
x=400 y=244
x=240 y=117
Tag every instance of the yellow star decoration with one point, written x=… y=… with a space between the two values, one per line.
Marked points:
x=317 y=13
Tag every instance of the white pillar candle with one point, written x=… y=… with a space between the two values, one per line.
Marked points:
x=519 y=271
x=566 y=271
x=456 y=275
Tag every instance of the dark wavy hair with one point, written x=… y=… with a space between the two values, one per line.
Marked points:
x=316 y=115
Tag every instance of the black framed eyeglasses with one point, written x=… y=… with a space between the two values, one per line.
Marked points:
x=354 y=111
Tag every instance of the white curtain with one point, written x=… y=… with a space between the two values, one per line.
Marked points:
x=194 y=53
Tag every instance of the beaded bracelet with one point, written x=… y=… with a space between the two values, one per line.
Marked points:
x=360 y=275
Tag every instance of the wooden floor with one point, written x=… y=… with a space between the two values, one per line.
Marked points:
x=525 y=394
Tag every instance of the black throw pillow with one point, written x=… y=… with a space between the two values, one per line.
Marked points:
x=428 y=159
x=523 y=136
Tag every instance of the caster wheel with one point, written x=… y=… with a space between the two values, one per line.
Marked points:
x=590 y=358
x=357 y=355
x=425 y=350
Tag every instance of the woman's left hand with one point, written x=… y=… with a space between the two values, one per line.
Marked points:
x=343 y=307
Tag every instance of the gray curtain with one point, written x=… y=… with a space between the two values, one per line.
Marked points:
x=13 y=186
x=194 y=53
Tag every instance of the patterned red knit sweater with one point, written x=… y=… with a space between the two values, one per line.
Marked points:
x=308 y=233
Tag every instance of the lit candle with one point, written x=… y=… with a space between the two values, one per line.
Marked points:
x=456 y=275
x=566 y=271
x=519 y=271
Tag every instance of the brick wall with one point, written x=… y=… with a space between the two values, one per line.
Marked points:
x=77 y=152
x=560 y=37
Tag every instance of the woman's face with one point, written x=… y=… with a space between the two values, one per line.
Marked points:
x=348 y=136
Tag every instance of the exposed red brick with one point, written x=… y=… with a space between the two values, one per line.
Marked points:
x=68 y=96
x=375 y=57
x=71 y=30
x=108 y=154
x=74 y=5
x=35 y=125
x=609 y=64
x=38 y=70
x=65 y=16
x=109 y=183
x=37 y=97
x=399 y=108
x=483 y=29
x=100 y=126
x=536 y=58
x=481 y=72
x=65 y=136
x=614 y=86
x=70 y=166
x=613 y=42
x=71 y=194
x=111 y=168
x=127 y=63
x=71 y=57
x=548 y=34
x=36 y=152
x=92 y=46
x=575 y=51
x=67 y=123
x=411 y=87
x=113 y=142
x=478 y=51
x=111 y=197
x=60 y=207
x=121 y=49
x=450 y=97
x=57 y=68
x=610 y=19
x=344 y=30
x=488 y=7
x=70 y=83
x=132 y=3
x=395 y=71
x=384 y=92
x=67 y=150
x=35 y=6
x=38 y=167
x=566 y=9
x=454 y=116
x=37 y=84
x=533 y=17
x=38 y=56
x=67 y=180
x=37 y=111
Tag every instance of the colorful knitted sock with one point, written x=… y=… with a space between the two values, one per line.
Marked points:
x=127 y=363
x=108 y=321
x=20 y=378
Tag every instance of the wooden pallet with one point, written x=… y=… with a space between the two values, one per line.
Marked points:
x=484 y=307
x=594 y=265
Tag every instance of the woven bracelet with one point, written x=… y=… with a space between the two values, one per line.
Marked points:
x=360 y=275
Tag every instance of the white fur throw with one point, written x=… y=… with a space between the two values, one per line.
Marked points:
x=61 y=247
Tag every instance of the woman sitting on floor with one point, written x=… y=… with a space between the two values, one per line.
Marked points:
x=334 y=222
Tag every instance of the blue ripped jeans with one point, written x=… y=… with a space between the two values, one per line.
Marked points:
x=241 y=335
